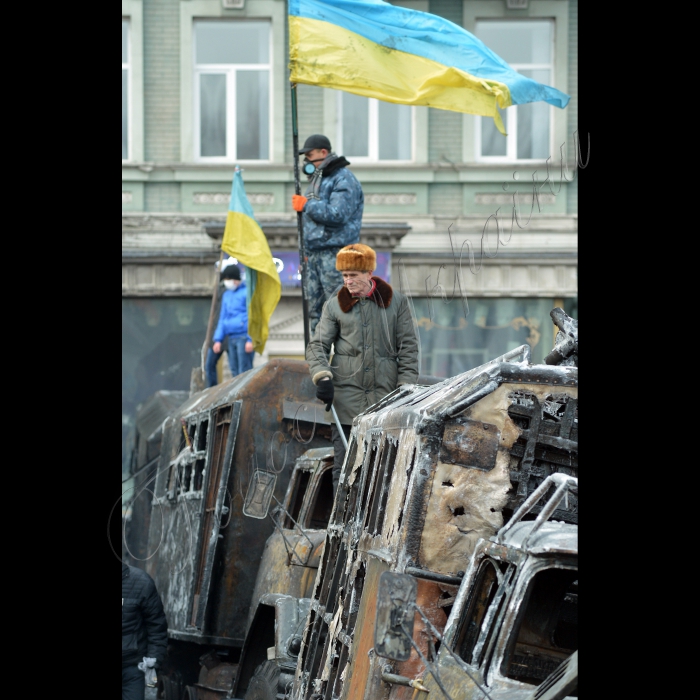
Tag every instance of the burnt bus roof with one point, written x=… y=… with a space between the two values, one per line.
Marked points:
x=454 y=394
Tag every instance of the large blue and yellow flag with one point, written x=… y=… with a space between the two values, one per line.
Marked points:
x=372 y=48
x=245 y=241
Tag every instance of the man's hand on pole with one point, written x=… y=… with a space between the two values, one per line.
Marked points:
x=298 y=202
x=324 y=392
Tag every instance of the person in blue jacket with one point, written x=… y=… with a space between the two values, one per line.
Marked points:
x=233 y=325
x=331 y=219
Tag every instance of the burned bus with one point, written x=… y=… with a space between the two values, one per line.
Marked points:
x=224 y=452
x=429 y=473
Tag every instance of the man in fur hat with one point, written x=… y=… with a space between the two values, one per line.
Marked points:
x=375 y=340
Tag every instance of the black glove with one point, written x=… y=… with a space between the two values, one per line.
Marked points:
x=324 y=392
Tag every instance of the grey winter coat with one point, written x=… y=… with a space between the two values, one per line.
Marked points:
x=376 y=348
x=332 y=216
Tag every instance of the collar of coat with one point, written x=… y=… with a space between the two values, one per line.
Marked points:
x=334 y=163
x=381 y=297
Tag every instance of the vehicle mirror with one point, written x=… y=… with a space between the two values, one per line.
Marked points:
x=260 y=491
x=393 y=629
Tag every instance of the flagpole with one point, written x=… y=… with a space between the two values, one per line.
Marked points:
x=210 y=324
x=300 y=227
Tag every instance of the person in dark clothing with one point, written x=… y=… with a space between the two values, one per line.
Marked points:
x=332 y=218
x=144 y=631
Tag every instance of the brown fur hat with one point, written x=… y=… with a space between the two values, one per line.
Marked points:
x=357 y=257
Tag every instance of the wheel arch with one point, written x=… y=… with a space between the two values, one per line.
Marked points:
x=261 y=636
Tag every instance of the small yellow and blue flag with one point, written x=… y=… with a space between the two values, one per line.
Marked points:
x=372 y=48
x=245 y=241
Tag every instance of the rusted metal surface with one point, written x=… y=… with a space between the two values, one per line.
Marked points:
x=429 y=473
x=215 y=682
x=526 y=627
x=470 y=443
x=190 y=559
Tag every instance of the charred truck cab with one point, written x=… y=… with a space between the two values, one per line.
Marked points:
x=226 y=453
x=513 y=623
x=429 y=473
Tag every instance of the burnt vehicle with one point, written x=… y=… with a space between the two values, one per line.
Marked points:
x=429 y=473
x=145 y=455
x=513 y=623
x=236 y=599
x=226 y=453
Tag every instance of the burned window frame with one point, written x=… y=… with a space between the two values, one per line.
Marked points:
x=509 y=634
x=296 y=494
x=386 y=461
x=320 y=475
x=194 y=468
x=462 y=633
x=547 y=443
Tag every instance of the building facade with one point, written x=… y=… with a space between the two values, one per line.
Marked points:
x=480 y=229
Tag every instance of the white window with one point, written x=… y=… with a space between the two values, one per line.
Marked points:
x=373 y=130
x=526 y=45
x=125 y=89
x=232 y=90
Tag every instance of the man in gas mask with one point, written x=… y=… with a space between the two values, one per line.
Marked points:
x=331 y=218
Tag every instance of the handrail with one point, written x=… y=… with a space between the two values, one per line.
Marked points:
x=564 y=484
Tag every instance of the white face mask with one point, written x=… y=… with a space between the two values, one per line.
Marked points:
x=230 y=284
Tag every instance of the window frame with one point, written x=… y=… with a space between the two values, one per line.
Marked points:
x=510 y=114
x=126 y=66
x=562 y=120
x=231 y=71
x=132 y=12
x=492 y=665
x=373 y=134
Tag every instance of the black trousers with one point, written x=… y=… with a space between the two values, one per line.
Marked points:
x=133 y=683
x=338 y=452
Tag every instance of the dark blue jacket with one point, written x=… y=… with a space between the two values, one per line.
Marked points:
x=233 y=317
x=144 y=627
x=335 y=218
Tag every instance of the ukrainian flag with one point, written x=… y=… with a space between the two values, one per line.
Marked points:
x=371 y=48
x=245 y=241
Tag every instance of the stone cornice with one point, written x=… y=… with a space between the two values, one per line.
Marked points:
x=283 y=235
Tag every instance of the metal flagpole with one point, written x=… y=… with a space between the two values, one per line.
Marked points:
x=212 y=310
x=300 y=227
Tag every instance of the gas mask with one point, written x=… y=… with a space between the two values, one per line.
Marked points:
x=309 y=169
